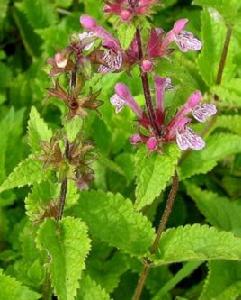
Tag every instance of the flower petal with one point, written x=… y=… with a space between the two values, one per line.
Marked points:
x=112 y=60
x=189 y=139
x=123 y=91
x=202 y=112
x=117 y=102
x=91 y=25
x=186 y=41
x=87 y=39
x=180 y=25
x=162 y=84
x=192 y=101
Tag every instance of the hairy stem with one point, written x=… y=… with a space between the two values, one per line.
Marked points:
x=146 y=88
x=62 y=197
x=162 y=226
x=64 y=182
x=224 y=55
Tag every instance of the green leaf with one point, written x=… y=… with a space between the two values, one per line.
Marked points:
x=223 y=281
x=30 y=39
x=114 y=220
x=218 y=210
x=126 y=34
x=154 y=171
x=218 y=147
x=229 y=92
x=212 y=35
x=197 y=242
x=230 y=122
x=3 y=10
x=90 y=290
x=11 y=289
x=40 y=13
x=41 y=200
x=38 y=130
x=73 y=127
x=63 y=3
x=27 y=172
x=228 y=9
x=186 y=270
x=5 y=74
x=66 y=244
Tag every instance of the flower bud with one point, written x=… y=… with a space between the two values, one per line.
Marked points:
x=61 y=60
x=152 y=143
x=126 y=15
x=146 y=65
x=135 y=139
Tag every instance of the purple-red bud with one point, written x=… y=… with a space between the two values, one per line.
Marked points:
x=146 y=65
x=135 y=139
x=126 y=15
x=152 y=143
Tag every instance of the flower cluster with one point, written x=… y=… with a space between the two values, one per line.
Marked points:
x=114 y=59
x=177 y=129
x=128 y=9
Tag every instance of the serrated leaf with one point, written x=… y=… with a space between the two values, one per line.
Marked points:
x=230 y=122
x=154 y=171
x=37 y=130
x=27 y=172
x=218 y=147
x=11 y=289
x=223 y=281
x=41 y=199
x=126 y=34
x=90 y=290
x=229 y=92
x=218 y=210
x=197 y=242
x=114 y=220
x=67 y=244
x=40 y=13
x=109 y=274
x=30 y=39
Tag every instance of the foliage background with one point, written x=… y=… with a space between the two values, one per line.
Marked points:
x=30 y=33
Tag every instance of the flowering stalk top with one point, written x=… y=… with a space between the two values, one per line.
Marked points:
x=177 y=129
x=128 y=9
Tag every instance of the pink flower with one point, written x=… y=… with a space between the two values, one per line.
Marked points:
x=159 y=42
x=123 y=97
x=184 y=40
x=177 y=129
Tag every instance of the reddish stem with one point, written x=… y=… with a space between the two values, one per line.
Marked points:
x=146 y=88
